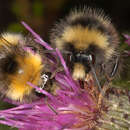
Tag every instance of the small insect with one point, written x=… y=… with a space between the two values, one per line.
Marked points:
x=89 y=43
x=21 y=61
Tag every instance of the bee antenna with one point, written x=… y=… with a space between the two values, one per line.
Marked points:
x=95 y=76
x=66 y=52
x=94 y=73
x=115 y=67
x=102 y=92
x=49 y=51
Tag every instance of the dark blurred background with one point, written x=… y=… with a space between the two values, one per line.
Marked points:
x=42 y=14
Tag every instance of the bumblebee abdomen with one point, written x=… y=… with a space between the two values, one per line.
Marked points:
x=18 y=67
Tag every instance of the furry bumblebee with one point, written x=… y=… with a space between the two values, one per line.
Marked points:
x=87 y=39
x=19 y=66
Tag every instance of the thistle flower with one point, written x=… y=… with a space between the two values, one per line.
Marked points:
x=72 y=108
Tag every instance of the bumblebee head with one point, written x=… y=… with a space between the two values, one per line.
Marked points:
x=80 y=61
x=82 y=34
x=17 y=67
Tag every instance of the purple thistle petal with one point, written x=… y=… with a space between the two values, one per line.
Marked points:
x=7 y=123
x=29 y=49
x=128 y=39
x=12 y=102
x=63 y=62
x=37 y=36
x=128 y=42
x=70 y=80
x=40 y=90
x=126 y=36
x=43 y=117
x=61 y=79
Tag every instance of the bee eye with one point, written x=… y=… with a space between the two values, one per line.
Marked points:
x=92 y=58
x=69 y=58
x=87 y=58
x=10 y=65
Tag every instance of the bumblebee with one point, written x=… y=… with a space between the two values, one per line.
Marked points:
x=89 y=42
x=19 y=65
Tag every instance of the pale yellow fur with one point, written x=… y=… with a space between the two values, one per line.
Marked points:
x=82 y=37
x=11 y=38
x=79 y=71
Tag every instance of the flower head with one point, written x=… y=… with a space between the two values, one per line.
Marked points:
x=71 y=108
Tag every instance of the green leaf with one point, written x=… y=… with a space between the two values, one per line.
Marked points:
x=16 y=27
